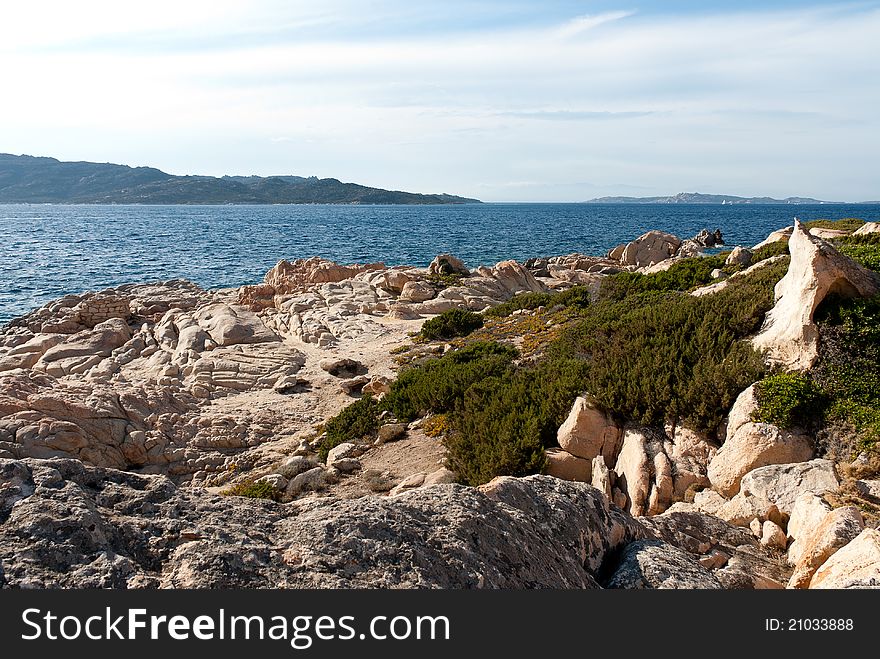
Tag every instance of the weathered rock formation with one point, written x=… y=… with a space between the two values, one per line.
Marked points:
x=789 y=336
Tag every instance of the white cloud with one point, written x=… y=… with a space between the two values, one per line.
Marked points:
x=776 y=103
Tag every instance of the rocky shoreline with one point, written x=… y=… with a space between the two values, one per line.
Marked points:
x=129 y=415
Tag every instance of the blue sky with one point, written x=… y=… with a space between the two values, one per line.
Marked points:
x=520 y=101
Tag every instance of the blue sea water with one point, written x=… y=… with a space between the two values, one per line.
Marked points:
x=47 y=251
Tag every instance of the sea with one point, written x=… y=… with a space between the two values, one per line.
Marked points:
x=47 y=250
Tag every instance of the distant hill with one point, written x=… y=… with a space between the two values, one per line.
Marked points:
x=27 y=179
x=698 y=198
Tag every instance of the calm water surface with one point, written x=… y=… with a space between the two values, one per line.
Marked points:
x=47 y=251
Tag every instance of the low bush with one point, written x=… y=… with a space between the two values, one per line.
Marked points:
x=502 y=424
x=681 y=276
x=779 y=248
x=848 y=368
x=437 y=384
x=355 y=422
x=576 y=297
x=253 y=490
x=844 y=224
x=436 y=425
x=450 y=324
x=529 y=301
x=788 y=400
x=864 y=249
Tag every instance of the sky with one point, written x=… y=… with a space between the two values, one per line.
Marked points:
x=503 y=101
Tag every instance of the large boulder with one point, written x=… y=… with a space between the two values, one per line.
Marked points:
x=633 y=468
x=447 y=264
x=855 y=565
x=649 y=248
x=755 y=445
x=64 y=524
x=568 y=467
x=866 y=228
x=789 y=335
x=781 y=484
x=837 y=529
x=589 y=432
x=85 y=349
x=232 y=325
x=807 y=513
x=653 y=564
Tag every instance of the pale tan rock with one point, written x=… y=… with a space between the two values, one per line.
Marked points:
x=742 y=509
x=709 y=501
x=855 y=564
x=739 y=256
x=807 y=513
x=828 y=234
x=566 y=466
x=837 y=529
x=690 y=455
x=411 y=482
x=291 y=276
x=866 y=228
x=757 y=528
x=741 y=413
x=588 y=432
x=781 y=484
x=601 y=478
x=755 y=445
x=633 y=469
x=649 y=248
x=391 y=432
x=869 y=490
x=789 y=335
x=232 y=325
x=417 y=291
x=772 y=536
x=515 y=278
x=447 y=264
x=440 y=477
x=777 y=236
x=662 y=489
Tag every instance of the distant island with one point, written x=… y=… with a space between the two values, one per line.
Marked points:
x=699 y=198
x=36 y=180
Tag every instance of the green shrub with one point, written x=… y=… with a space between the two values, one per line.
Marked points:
x=576 y=297
x=779 y=248
x=788 y=400
x=848 y=368
x=357 y=421
x=844 y=224
x=502 y=424
x=450 y=324
x=437 y=384
x=681 y=276
x=864 y=249
x=253 y=490
x=657 y=356
x=529 y=301
x=443 y=281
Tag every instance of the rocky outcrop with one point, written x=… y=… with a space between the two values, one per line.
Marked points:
x=781 y=484
x=755 y=445
x=789 y=335
x=836 y=529
x=866 y=228
x=564 y=465
x=589 y=432
x=656 y=565
x=856 y=565
x=447 y=264
x=63 y=524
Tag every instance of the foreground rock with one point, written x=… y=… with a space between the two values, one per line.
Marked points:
x=857 y=565
x=817 y=270
x=656 y=565
x=63 y=524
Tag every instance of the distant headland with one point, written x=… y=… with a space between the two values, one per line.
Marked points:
x=28 y=179
x=699 y=198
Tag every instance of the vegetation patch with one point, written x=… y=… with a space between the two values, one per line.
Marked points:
x=844 y=224
x=684 y=275
x=450 y=324
x=779 y=248
x=864 y=249
x=788 y=400
x=355 y=422
x=253 y=490
x=436 y=425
